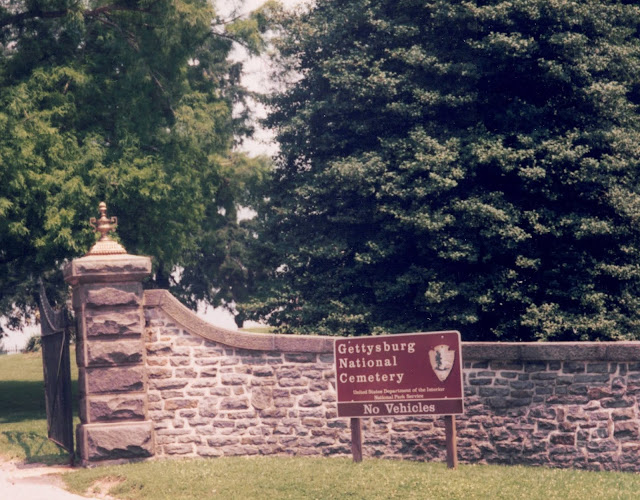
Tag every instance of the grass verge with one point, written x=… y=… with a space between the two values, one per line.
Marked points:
x=258 y=329
x=338 y=478
x=23 y=417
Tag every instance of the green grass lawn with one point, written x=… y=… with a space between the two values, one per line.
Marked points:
x=339 y=478
x=258 y=329
x=23 y=418
x=23 y=436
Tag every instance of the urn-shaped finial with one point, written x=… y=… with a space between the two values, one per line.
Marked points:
x=104 y=225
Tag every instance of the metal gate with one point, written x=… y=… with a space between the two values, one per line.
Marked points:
x=57 y=373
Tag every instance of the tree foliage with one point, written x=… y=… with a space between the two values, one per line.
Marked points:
x=136 y=103
x=457 y=164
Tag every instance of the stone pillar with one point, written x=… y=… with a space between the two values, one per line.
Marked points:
x=110 y=351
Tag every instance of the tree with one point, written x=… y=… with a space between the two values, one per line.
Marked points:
x=457 y=164
x=136 y=103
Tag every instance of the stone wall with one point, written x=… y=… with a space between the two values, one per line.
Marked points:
x=560 y=411
x=213 y=392
x=254 y=394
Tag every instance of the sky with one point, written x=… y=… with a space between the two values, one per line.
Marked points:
x=256 y=77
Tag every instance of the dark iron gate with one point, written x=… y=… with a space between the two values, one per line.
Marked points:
x=57 y=373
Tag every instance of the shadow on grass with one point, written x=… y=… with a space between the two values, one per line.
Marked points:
x=21 y=400
x=36 y=447
x=24 y=400
x=23 y=422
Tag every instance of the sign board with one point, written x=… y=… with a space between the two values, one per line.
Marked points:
x=399 y=375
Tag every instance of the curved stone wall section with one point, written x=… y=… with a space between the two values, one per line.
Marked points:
x=163 y=300
x=210 y=398
x=215 y=392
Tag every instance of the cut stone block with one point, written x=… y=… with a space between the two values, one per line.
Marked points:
x=107 y=269
x=110 y=380
x=114 y=322
x=116 y=352
x=114 y=408
x=115 y=441
x=114 y=295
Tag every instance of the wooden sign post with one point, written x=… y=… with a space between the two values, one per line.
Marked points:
x=451 y=438
x=356 y=440
x=400 y=375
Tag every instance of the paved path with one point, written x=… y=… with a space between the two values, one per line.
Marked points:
x=33 y=482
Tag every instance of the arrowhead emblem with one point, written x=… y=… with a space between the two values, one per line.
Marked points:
x=441 y=358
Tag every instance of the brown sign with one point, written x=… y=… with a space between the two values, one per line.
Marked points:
x=397 y=375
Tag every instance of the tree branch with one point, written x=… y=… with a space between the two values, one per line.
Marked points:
x=52 y=14
x=106 y=9
x=232 y=39
x=224 y=22
x=32 y=14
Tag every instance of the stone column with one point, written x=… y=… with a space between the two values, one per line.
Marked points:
x=110 y=351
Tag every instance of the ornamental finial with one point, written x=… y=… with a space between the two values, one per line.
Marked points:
x=103 y=225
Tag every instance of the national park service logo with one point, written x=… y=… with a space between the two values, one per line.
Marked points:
x=441 y=358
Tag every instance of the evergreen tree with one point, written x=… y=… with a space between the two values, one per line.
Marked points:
x=457 y=164
x=135 y=103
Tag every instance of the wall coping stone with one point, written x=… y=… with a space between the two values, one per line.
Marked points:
x=107 y=269
x=188 y=320
x=471 y=351
x=551 y=351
